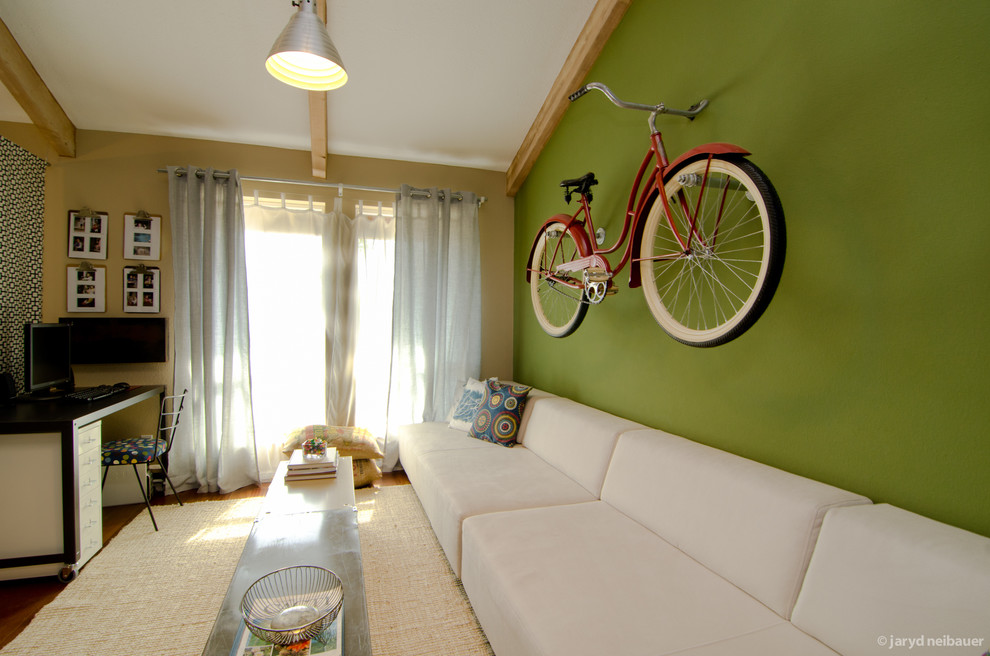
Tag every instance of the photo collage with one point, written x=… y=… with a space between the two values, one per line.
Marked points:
x=89 y=240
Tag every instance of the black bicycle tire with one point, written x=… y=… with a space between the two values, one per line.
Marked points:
x=777 y=239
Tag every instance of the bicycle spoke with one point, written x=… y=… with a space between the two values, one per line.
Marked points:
x=712 y=288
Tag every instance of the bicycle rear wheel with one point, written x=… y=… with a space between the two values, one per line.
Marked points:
x=712 y=284
x=558 y=298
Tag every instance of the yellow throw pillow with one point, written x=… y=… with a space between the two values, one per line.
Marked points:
x=348 y=440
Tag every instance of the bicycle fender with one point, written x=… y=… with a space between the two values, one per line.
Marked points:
x=573 y=227
x=706 y=150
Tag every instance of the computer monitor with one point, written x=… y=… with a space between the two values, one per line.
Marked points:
x=47 y=357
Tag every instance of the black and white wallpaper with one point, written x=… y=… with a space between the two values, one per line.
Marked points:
x=22 y=217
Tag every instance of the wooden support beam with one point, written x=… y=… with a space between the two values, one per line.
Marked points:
x=318 y=117
x=318 y=132
x=603 y=20
x=22 y=80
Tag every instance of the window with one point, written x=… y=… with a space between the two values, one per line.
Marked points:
x=285 y=265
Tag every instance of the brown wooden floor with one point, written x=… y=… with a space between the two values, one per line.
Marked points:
x=21 y=599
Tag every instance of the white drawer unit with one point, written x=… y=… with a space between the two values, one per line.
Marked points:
x=90 y=500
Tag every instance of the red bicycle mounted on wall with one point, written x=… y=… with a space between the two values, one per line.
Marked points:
x=705 y=237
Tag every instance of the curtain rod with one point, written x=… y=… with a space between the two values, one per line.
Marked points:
x=330 y=185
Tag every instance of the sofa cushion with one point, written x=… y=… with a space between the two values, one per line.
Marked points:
x=466 y=405
x=778 y=640
x=416 y=440
x=880 y=573
x=574 y=438
x=750 y=523
x=499 y=415
x=584 y=579
x=456 y=484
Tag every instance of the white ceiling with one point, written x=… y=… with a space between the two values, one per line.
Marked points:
x=442 y=81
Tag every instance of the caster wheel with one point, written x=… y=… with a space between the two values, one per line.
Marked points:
x=67 y=574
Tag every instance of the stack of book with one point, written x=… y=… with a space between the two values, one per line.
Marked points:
x=306 y=469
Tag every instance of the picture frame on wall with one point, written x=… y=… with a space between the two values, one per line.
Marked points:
x=85 y=288
x=142 y=236
x=88 y=234
x=142 y=289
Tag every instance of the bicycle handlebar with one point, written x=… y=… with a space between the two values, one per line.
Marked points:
x=690 y=113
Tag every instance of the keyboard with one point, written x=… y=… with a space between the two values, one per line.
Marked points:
x=96 y=393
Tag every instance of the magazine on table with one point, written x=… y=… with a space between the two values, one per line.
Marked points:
x=328 y=643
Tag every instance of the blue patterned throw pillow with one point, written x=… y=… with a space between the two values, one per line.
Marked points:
x=467 y=405
x=500 y=413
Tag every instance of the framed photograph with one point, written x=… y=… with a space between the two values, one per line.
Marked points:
x=88 y=232
x=142 y=289
x=85 y=288
x=142 y=236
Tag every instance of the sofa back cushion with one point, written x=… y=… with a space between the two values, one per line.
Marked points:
x=576 y=439
x=750 y=523
x=881 y=575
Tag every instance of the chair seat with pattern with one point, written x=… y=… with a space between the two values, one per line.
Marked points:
x=133 y=451
x=147 y=449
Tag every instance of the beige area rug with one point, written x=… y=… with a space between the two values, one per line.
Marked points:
x=416 y=606
x=147 y=592
x=159 y=593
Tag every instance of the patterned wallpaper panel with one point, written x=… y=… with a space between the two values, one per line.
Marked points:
x=22 y=217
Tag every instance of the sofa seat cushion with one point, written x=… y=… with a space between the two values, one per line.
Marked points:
x=752 y=524
x=880 y=573
x=586 y=579
x=455 y=484
x=576 y=439
x=778 y=640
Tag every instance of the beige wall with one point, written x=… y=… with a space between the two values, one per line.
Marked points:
x=117 y=173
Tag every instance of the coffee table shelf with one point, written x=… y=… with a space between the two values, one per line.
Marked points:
x=303 y=523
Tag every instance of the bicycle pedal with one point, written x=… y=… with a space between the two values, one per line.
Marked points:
x=597 y=274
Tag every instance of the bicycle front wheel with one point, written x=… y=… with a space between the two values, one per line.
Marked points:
x=710 y=270
x=558 y=296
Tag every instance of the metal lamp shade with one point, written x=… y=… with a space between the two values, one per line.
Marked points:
x=304 y=56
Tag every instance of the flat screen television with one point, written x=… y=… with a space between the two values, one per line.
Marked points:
x=117 y=340
x=47 y=357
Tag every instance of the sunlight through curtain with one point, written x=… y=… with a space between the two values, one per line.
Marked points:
x=321 y=316
x=285 y=266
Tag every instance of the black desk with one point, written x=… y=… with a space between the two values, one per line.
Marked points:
x=59 y=423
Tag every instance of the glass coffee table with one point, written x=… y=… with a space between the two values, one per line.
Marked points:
x=302 y=523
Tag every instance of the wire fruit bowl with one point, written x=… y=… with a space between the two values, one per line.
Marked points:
x=292 y=604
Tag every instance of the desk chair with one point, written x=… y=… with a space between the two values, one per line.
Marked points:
x=147 y=449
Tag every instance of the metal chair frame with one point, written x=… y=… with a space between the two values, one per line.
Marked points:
x=168 y=422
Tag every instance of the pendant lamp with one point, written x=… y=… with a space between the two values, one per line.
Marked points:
x=303 y=55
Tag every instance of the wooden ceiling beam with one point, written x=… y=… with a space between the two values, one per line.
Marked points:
x=318 y=117
x=604 y=18
x=29 y=90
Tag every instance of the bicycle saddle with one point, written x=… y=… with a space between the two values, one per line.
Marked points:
x=581 y=185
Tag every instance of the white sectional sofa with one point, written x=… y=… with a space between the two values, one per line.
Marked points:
x=596 y=535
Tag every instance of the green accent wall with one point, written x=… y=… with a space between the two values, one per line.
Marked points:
x=869 y=370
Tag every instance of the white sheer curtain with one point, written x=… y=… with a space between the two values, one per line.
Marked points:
x=373 y=278
x=214 y=447
x=321 y=298
x=288 y=341
x=436 y=317
x=340 y=319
